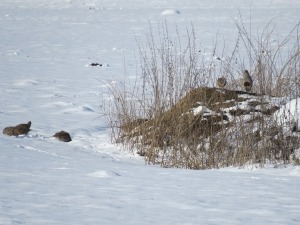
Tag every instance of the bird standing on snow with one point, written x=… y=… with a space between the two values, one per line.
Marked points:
x=247 y=81
x=20 y=129
x=63 y=136
x=23 y=128
x=221 y=82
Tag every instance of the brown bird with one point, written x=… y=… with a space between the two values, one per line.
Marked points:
x=23 y=128
x=221 y=82
x=63 y=136
x=247 y=81
x=8 y=131
x=19 y=129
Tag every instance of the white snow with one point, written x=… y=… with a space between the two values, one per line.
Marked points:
x=170 y=12
x=45 y=48
x=201 y=109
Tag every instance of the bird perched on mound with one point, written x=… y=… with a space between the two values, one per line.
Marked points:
x=247 y=81
x=63 y=136
x=19 y=129
x=221 y=82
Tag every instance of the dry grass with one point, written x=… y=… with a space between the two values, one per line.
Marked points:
x=159 y=120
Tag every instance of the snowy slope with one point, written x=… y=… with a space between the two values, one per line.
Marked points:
x=45 y=50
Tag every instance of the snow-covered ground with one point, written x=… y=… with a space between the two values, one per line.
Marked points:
x=45 y=49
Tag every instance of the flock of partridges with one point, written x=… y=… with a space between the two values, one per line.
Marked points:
x=246 y=81
x=24 y=128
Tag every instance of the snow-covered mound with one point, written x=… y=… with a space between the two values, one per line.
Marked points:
x=212 y=128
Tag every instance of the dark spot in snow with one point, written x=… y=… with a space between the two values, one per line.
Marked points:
x=95 y=64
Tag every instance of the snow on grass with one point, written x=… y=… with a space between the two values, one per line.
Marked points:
x=45 y=47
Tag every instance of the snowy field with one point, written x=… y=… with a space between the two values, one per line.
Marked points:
x=45 y=49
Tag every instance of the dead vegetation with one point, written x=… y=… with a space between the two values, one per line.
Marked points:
x=177 y=118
